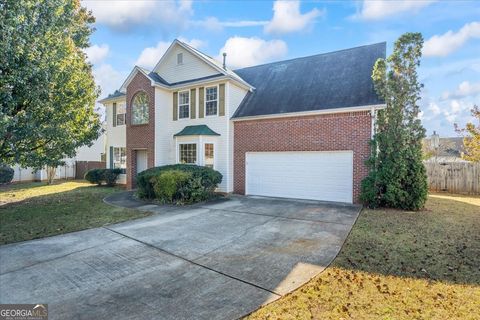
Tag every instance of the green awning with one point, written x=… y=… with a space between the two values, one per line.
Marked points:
x=200 y=130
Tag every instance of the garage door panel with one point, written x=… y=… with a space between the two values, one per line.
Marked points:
x=305 y=175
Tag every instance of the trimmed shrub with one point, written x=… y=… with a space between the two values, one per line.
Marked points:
x=110 y=176
x=200 y=186
x=97 y=176
x=94 y=176
x=6 y=174
x=168 y=185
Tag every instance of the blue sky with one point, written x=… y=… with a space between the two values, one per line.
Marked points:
x=255 y=32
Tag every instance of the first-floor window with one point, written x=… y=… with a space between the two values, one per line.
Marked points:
x=209 y=161
x=188 y=153
x=119 y=158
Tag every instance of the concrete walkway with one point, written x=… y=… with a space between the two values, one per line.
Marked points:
x=219 y=260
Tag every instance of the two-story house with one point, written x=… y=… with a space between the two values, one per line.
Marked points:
x=298 y=128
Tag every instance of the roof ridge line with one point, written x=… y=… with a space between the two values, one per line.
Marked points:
x=313 y=55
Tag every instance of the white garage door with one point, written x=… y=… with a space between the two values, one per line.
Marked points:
x=324 y=176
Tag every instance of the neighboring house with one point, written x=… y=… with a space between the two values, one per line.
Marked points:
x=298 y=128
x=67 y=171
x=444 y=150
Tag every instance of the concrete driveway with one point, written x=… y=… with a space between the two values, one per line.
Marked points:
x=220 y=260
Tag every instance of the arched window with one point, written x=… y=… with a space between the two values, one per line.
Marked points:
x=140 y=108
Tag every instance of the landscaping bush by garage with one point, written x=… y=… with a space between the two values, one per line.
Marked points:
x=99 y=176
x=6 y=174
x=178 y=183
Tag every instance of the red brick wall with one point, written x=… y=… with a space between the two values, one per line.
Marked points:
x=329 y=132
x=139 y=136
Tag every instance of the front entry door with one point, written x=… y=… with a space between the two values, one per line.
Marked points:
x=141 y=160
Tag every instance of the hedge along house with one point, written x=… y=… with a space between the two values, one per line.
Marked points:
x=298 y=128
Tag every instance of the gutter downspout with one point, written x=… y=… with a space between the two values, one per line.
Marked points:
x=373 y=115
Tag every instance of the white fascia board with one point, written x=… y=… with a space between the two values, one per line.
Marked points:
x=199 y=82
x=311 y=113
x=114 y=99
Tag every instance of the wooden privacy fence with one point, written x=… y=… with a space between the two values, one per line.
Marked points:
x=454 y=177
x=81 y=167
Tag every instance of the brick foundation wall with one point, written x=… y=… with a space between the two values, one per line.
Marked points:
x=329 y=132
x=139 y=136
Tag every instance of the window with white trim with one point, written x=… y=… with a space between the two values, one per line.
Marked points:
x=179 y=58
x=187 y=153
x=119 y=157
x=121 y=110
x=209 y=155
x=184 y=104
x=211 y=101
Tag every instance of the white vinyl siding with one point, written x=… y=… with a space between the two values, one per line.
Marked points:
x=191 y=67
x=326 y=176
x=114 y=136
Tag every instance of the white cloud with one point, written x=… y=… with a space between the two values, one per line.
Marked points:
x=464 y=89
x=108 y=78
x=151 y=55
x=244 y=52
x=440 y=115
x=288 y=18
x=122 y=15
x=196 y=43
x=443 y=45
x=380 y=9
x=97 y=53
x=434 y=108
x=214 y=24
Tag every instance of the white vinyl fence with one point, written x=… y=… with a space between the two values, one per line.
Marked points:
x=28 y=174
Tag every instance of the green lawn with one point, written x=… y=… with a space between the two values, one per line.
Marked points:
x=35 y=210
x=398 y=265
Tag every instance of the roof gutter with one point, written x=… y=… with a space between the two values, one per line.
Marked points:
x=311 y=113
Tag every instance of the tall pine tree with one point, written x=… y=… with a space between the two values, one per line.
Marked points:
x=397 y=177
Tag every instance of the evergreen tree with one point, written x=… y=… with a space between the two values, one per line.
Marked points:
x=397 y=176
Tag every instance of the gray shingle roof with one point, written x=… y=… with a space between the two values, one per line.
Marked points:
x=326 y=81
x=116 y=94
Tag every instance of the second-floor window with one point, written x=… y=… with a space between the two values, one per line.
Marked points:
x=120 y=115
x=140 y=108
x=211 y=101
x=184 y=104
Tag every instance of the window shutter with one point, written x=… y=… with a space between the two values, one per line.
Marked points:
x=114 y=114
x=201 y=103
x=111 y=157
x=192 y=103
x=175 y=106
x=221 y=110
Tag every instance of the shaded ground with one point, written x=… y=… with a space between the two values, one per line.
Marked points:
x=216 y=260
x=398 y=265
x=35 y=210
